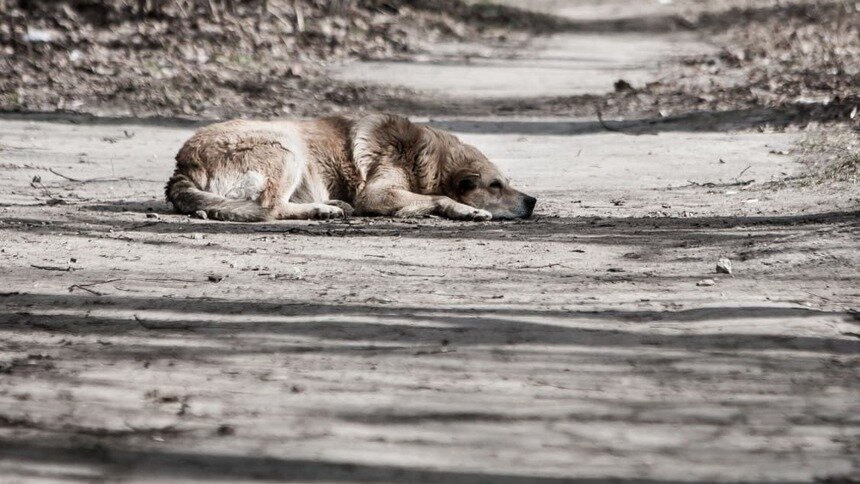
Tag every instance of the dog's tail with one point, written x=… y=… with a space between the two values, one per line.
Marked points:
x=187 y=197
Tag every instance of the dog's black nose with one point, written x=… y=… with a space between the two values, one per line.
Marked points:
x=529 y=203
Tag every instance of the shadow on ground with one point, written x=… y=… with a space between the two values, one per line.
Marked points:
x=467 y=116
x=384 y=329
x=645 y=231
x=216 y=334
x=693 y=121
x=586 y=106
x=701 y=121
x=154 y=464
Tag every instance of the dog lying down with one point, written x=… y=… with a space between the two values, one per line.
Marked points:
x=252 y=171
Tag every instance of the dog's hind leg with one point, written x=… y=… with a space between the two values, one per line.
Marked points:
x=287 y=206
x=310 y=199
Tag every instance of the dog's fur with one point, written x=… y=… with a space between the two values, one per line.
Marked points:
x=381 y=164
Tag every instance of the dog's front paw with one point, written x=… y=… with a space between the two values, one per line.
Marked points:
x=480 y=215
x=465 y=212
x=325 y=212
x=347 y=208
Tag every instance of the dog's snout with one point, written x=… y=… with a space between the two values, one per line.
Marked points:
x=529 y=203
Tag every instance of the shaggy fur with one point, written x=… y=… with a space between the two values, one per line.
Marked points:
x=248 y=171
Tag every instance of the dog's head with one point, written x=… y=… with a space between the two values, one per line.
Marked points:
x=477 y=182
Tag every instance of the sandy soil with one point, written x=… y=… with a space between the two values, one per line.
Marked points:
x=594 y=341
x=565 y=64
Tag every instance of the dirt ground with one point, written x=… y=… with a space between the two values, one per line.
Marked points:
x=596 y=341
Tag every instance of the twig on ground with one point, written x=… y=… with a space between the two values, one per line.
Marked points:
x=53 y=268
x=603 y=123
x=86 y=287
x=554 y=264
x=390 y=273
x=741 y=183
x=165 y=279
x=63 y=176
x=36 y=182
x=117 y=179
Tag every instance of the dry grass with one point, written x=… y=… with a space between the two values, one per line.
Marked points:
x=831 y=155
x=798 y=57
x=110 y=57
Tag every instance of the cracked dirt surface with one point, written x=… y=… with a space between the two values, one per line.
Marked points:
x=143 y=345
x=595 y=341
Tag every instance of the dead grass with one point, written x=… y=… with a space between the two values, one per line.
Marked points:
x=106 y=57
x=831 y=155
x=798 y=57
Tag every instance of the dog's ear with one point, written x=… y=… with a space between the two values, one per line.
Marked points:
x=466 y=182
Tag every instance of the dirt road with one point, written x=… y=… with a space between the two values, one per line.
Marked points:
x=594 y=341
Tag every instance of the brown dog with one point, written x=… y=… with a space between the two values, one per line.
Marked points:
x=382 y=164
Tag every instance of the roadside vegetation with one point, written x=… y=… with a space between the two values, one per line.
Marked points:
x=210 y=58
x=780 y=64
x=215 y=58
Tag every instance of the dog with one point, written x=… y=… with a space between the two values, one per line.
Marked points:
x=381 y=164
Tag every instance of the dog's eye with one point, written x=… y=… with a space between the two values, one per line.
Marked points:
x=496 y=184
x=466 y=184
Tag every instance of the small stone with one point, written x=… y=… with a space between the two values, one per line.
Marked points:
x=621 y=86
x=724 y=266
x=152 y=215
x=706 y=282
x=215 y=278
x=201 y=214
